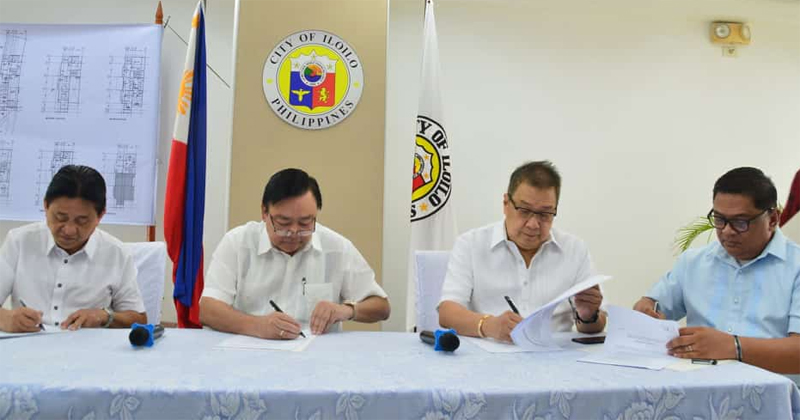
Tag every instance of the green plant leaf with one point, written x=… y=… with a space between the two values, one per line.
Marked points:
x=687 y=234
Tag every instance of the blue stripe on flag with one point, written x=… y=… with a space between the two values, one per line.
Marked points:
x=194 y=210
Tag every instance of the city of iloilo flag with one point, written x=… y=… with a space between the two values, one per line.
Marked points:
x=433 y=225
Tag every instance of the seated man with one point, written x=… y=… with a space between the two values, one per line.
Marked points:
x=523 y=258
x=312 y=273
x=741 y=295
x=66 y=272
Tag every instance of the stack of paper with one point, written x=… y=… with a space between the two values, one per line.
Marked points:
x=636 y=340
x=244 y=342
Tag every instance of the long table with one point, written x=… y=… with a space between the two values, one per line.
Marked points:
x=95 y=374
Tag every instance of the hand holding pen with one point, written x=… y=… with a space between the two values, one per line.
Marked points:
x=287 y=328
x=27 y=319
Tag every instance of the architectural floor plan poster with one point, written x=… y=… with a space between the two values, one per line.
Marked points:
x=79 y=94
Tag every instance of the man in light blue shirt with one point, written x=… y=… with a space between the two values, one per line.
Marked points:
x=740 y=295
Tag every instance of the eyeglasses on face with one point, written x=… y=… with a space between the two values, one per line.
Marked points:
x=306 y=227
x=526 y=213
x=737 y=224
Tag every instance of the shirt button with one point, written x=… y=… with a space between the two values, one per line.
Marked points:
x=525 y=283
x=59 y=284
x=56 y=324
x=730 y=329
x=55 y=307
x=65 y=261
x=736 y=300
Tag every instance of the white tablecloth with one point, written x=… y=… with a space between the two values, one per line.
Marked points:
x=95 y=374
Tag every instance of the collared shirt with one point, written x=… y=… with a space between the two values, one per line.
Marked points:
x=485 y=266
x=758 y=299
x=246 y=272
x=33 y=268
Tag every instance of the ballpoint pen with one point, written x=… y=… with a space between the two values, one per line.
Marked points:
x=511 y=304
x=277 y=309
x=22 y=302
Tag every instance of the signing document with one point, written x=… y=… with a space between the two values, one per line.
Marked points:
x=45 y=329
x=636 y=340
x=535 y=332
x=245 y=342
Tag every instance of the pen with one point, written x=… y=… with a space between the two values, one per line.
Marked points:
x=22 y=302
x=277 y=309
x=511 y=304
x=704 y=361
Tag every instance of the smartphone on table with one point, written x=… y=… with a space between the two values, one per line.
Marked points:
x=598 y=339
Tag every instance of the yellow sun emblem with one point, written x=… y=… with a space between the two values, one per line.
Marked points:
x=185 y=94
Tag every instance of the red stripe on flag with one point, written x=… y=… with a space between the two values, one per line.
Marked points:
x=174 y=202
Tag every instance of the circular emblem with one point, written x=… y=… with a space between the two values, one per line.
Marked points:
x=431 y=184
x=313 y=79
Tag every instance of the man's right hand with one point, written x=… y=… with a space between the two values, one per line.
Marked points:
x=278 y=326
x=21 y=320
x=647 y=306
x=499 y=327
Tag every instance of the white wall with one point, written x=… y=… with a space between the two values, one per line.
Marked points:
x=219 y=41
x=639 y=111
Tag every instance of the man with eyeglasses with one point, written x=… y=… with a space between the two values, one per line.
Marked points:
x=523 y=258
x=740 y=295
x=268 y=279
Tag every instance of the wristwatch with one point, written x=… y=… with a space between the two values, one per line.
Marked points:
x=592 y=320
x=110 y=318
x=351 y=304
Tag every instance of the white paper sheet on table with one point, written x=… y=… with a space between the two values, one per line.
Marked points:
x=636 y=340
x=245 y=342
x=494 y=346
x=49 y=329
x=535 y=331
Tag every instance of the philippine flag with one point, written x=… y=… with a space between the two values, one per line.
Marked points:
x=184 y=205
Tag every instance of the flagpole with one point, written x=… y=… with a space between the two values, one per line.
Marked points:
x=151 y=229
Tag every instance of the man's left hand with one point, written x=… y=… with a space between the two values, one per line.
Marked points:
x=85 y=318
x=702 y=343
x=326 y=314
x=587 y=302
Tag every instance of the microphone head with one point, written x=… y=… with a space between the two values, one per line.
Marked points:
x=449 y=342
x=446 y=340
x=141 y=335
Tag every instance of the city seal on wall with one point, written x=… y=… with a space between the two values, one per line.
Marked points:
x=313 y=79
x=432 y=180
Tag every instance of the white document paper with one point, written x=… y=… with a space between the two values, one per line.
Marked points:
x=636 y=340
x=245 y=342
x=493 y=346
x=535 y=332
x=49 y=329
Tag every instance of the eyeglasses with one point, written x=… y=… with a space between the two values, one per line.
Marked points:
x=738 y=225
x=305 y=227
x=526 y=214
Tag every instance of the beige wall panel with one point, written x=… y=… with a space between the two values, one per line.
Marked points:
x=346 y=159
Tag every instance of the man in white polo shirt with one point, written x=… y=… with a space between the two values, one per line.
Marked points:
x=67 y=272
x=313 y=274
x=523 y=258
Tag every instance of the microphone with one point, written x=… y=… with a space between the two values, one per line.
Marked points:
x=143 y=335
x=442 y=340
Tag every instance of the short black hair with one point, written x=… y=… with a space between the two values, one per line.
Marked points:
x=541 y=174
x=78 y=181
x=750 y=182
x=289 y=183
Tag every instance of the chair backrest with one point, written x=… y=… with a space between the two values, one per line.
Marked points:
x=151 y=263
x=431 y=267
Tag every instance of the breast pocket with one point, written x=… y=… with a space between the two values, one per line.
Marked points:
x=316 y=293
